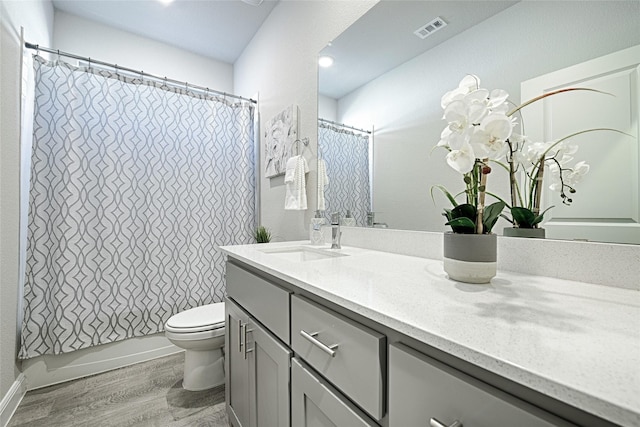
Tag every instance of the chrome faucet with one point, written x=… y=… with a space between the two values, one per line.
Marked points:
x=335 y=230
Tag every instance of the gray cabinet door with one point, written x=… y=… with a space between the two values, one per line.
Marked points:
x=315 y=403
x=236 y=365
x=423 y=392
x=269 y=378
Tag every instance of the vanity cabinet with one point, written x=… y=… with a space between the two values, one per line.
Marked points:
x=426 y=392
x=258 y=375
x=295 y=360
x=316 y=403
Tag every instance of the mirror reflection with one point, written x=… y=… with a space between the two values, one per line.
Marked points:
x=384 y=79
x=344 y=183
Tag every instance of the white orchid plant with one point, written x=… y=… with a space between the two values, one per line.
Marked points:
x=476 y=132
x=480 y=129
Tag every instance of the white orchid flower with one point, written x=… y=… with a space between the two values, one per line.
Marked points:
x=498 y=99
x=578 y=171
x=467 y=84
x=570 y=177
x=462 y=159
x=444 y=137
x=554 y=175
x=488 y=139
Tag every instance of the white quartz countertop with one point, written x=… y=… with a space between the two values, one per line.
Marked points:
x=576 y=342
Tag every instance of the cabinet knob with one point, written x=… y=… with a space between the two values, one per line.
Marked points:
x=435 y=423
x=329 y=349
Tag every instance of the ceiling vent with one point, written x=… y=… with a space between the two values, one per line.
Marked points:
x=430 y=28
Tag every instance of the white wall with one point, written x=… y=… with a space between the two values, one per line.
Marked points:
x=327 y=108
x=36 y=17
x=281 y=64
x=88 y=38
x=524 y=41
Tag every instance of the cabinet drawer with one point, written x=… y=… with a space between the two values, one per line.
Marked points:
x=314 y=403
x=421 y=389
x=357 y=363
x=268 y=303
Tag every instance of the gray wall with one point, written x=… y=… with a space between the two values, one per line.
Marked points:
x=524 y=41
x=36 y=17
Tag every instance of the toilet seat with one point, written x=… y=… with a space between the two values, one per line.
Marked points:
x=198 y=319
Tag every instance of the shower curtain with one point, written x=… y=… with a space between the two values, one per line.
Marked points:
x=134 y=186
x=346 y=155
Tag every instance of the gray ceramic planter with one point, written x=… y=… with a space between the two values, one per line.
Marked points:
x=470 y=258
x=533 y=233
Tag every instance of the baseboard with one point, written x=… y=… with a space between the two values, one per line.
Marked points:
x=12 y=399
x=47 y=370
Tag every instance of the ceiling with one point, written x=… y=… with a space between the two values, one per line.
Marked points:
x=219 y=29
x=383 y=38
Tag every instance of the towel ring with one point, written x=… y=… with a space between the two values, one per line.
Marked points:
x=296 y=143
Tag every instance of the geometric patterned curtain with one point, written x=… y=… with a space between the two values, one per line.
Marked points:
x=134 y=186
x=346 y=155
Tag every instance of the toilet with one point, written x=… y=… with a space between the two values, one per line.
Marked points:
x=200 y=331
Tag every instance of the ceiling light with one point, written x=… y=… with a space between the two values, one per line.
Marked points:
x=253 y=2
x=166 y=2
x=325 y=61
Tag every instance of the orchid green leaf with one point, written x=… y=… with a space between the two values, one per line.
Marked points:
x=491 y=215
x=445 y=192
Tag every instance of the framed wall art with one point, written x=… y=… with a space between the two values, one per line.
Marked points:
x=280 y=134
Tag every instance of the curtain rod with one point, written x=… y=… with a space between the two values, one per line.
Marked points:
x=141 y=73
x=344 y=126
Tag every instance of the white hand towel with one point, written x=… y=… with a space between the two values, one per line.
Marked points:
x=296 y=191
x=290 y=169
x=323 y=181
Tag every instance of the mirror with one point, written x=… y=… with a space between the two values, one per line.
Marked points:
x=386 y=78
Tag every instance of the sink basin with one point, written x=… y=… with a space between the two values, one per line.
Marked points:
x=302 y=253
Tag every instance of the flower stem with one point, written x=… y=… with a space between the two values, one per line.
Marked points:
x=512 y=176
x=481 y=196
x=537 y=195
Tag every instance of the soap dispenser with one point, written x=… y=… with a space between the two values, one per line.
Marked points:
x=315 y=230
x=349 y=220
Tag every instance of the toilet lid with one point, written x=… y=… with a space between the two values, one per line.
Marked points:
x=205 y=317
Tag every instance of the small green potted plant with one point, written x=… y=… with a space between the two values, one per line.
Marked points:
x=262 y=234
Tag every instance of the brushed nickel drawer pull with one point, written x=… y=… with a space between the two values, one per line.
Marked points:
x=246 y=350
x=329 y=349
x=240 y=335
x=435 y=423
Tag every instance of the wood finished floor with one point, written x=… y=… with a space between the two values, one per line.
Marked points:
x=145 y=394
